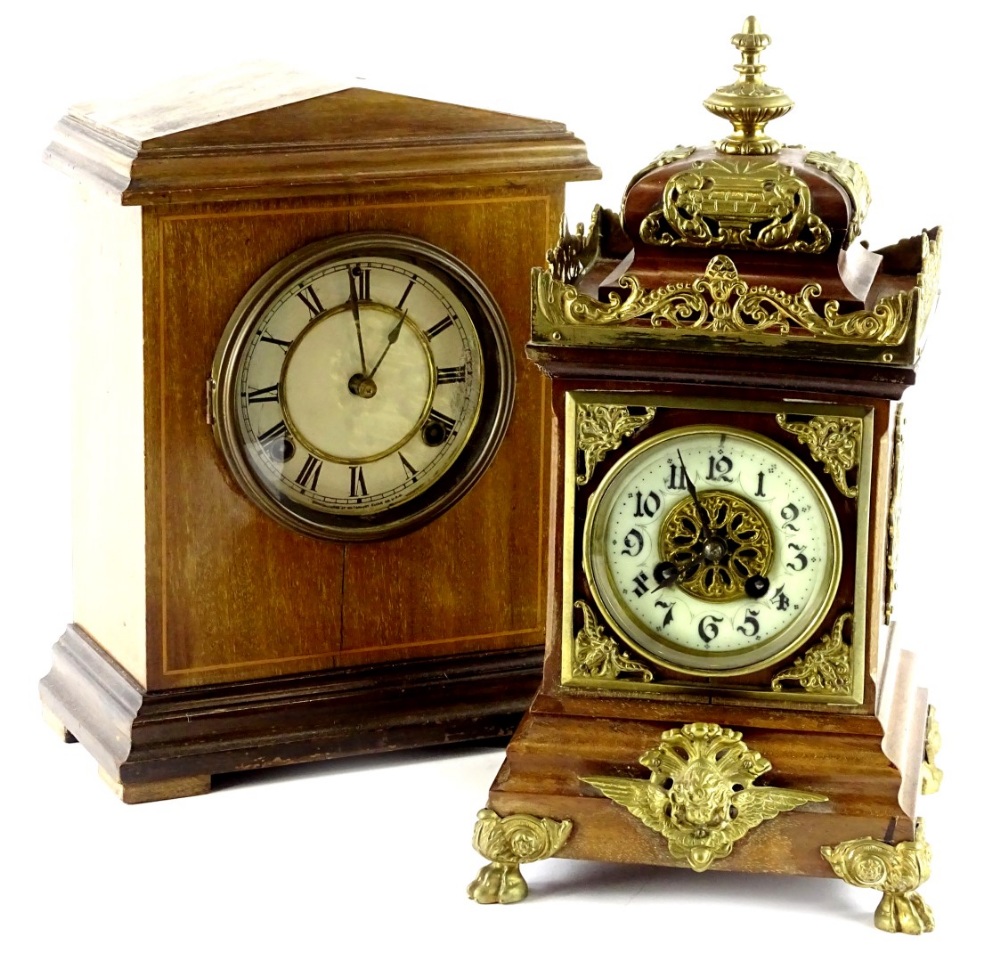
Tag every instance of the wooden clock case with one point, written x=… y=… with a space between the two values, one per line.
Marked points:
x=866 y=756
x=207 y=638
x=655 y=319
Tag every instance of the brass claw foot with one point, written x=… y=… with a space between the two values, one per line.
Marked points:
x=905 y=913
x=508 y=843
x=499 y=883
x=895 y=870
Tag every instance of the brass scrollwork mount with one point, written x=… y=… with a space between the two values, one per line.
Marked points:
x=700 y=793
x=595 y=655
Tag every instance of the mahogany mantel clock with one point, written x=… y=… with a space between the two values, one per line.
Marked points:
x=303 y=428
x=721 y=688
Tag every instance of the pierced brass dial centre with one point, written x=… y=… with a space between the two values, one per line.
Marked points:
x=715 y=559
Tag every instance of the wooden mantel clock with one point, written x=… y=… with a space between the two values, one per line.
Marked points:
x=721 y=687
x=304 y=428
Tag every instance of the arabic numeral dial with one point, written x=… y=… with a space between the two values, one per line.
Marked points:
x=712 y=550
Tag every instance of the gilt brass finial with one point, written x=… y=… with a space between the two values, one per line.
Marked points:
x=749 y=104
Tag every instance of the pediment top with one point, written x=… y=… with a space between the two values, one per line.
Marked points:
x=260 y=129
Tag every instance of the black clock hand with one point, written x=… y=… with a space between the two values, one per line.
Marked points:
x=667 y=572
x=392 y=338
x=714 y=549
x=357 y=322
x=755 y=587
x=702 y=513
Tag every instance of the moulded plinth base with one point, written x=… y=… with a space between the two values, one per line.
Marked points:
x=158 y=745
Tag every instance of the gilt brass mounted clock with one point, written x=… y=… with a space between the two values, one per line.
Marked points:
x=363 y=385
x=720 y=690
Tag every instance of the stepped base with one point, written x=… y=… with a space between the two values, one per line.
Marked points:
x=158 y=745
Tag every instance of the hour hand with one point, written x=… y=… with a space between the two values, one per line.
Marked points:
x=392 y=337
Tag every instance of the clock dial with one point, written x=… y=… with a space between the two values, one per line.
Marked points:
x=712 y=550
x=367 y=384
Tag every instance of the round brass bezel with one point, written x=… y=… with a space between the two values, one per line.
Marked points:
x=491 y=418
x=660 y=650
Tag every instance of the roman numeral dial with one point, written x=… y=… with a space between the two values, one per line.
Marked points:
x=369 y=375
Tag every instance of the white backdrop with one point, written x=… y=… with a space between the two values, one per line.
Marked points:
x=373 y=855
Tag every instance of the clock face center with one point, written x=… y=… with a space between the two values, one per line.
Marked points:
x=714 y=549
x=341 y=414
x=718 y=541
x=362 y=386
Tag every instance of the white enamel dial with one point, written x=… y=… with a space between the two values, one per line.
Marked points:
x=365 y=380
x=713 y=550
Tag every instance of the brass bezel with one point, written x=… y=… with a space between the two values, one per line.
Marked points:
x=491 y=417
x=726 y=686
x=674 y=656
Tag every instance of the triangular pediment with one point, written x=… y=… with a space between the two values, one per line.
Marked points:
x=253 y=134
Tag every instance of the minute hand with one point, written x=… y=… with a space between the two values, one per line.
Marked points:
x=702 y=513
x=357 y=322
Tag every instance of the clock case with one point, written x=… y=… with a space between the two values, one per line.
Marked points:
x=641 y=332
x=206 y=637
x=861 y=744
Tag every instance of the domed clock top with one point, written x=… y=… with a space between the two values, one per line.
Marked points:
x=747 y=240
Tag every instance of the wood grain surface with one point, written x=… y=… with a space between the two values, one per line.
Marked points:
x=186 y=590
x=863 y=757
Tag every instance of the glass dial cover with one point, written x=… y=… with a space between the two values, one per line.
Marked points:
x=363 y=385
x=712 y=550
